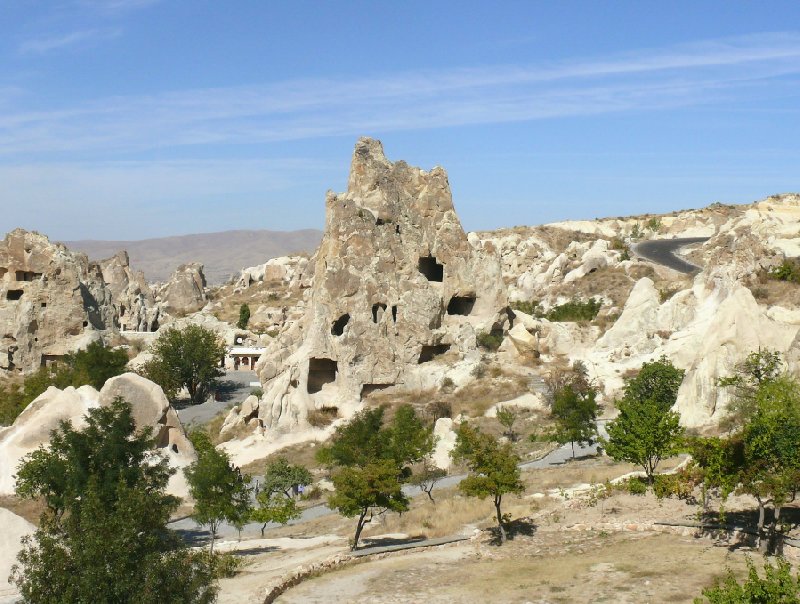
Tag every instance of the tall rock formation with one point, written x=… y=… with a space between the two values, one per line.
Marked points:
x=54 y=301
x=396 y=284
x=185 y=292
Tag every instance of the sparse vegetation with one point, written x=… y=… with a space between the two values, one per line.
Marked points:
x=788 y=270
x=324 y=416
x=489 y=340
x=575 y=310
x=244 y=316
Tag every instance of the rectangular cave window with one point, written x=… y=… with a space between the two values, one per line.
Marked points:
x=460 y=305
x=27 y=275
x=14 y=294
x=320 y=372
x=3 y=271
x=394 y=313
x=43 y=305
x=338 y=326
x=377 y=312
x=431 y=351
x=367 y=389
x=430 y=269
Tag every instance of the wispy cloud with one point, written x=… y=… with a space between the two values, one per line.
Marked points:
x=116 y=6
x=45 y=44
x=709 y=72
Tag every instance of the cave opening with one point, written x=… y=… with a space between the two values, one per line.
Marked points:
x=377 y=312
x=430 y=269
x=431 y=351
x=14 y=294
x=339 y=324
x=460 y=305
x=321 y=371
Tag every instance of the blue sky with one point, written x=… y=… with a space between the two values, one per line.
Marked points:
x=128 y=119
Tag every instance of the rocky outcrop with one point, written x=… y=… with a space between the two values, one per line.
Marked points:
x=396 y=283
x=150 y=409
x=132 y=297
x=185 y=292
x=15 y=528
x=52 y=301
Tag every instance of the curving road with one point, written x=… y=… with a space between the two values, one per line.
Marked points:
x=662 y=251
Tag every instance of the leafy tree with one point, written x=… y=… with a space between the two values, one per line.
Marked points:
x=188 y=357
x=770 y=470
x=220 y=491
x=646 y=430
x=372 y=461
x=575 y=413
x=108 y=451
x=244 y=316
x=657 y=381
x=777 y=585
x=493 y=469
x=103 y=536
x=426 y=477
x=275 y=500
x=760 y=366
x=507 y=416
x=93 y=366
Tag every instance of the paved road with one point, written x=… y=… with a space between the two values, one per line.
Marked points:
x=195 y=534
x=235 y=387
x=662 y=251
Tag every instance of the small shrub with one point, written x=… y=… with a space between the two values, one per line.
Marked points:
x=447 y=383
x=324 y=416
x=257 y=392
x=654 y=224
x=636 y=485
x=789 y=271
x=490 y=340
x=479 y=371
x=531 y=307
x=227 y=565
x=575 y=310
x=760 y=293
x=617 y=243
x=666 y=294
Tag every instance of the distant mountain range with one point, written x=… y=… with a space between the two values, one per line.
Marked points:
x=223 y=254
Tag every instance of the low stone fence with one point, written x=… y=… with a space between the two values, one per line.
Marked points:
x=303 y=573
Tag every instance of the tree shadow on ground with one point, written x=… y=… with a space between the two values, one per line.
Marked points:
x=521 y=527
x=747 y=521
x=369 y=542
x=226 y=389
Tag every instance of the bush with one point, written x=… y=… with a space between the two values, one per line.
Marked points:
x=258 y=392
x=225 y=566
x=575 y=310
x=532 y=307
x=777 y=585
x=789 y=271
x=490 y=340
x=636 y=485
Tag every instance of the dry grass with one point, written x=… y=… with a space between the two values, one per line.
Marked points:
x=772 y=292
x=300 y=454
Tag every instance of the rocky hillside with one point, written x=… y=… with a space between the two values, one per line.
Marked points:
x=222 y=254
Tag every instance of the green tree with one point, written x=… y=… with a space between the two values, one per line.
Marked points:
x=426 y=476
x=188 y=357
x=646 y=430
x=103 y=536
x=575 y=413
x=372 y=461
x=507 y=416
x=777 y=585
x=770 y=470
x=493 y=469
x=759 y=367
x=221 y=492
x=244 y=316
x=93 y=366
x=275 y=497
